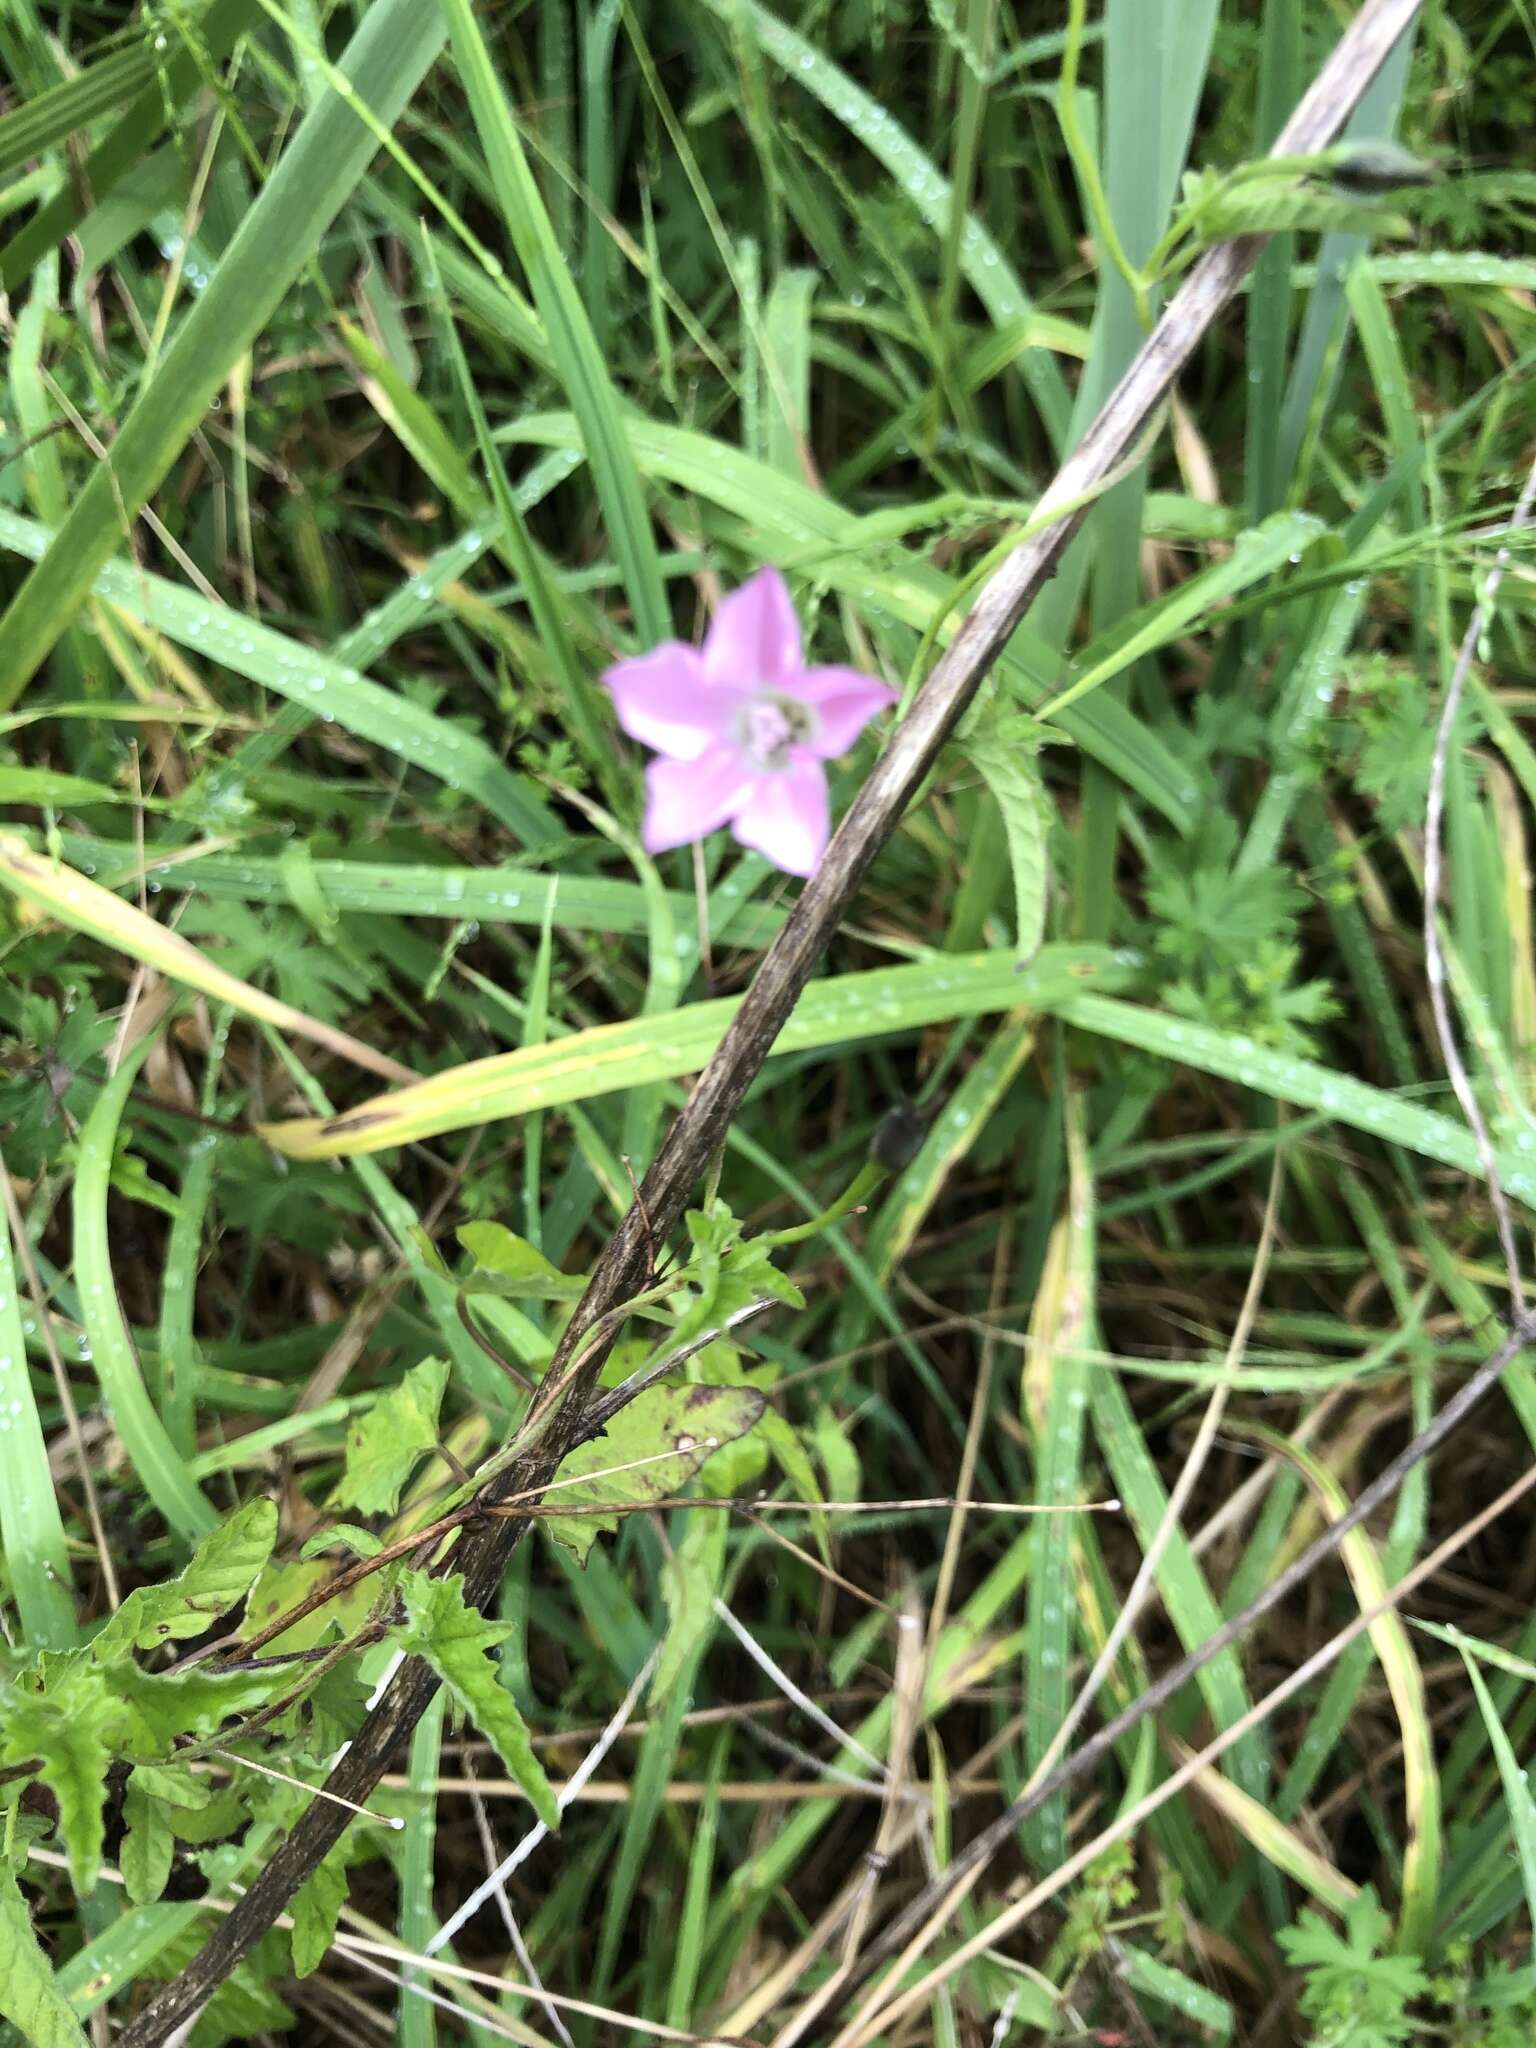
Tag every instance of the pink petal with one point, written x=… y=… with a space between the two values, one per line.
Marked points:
x=686 y=799
x=844 y=701
x=785 y=818
x=754 y=637
x=665 y=700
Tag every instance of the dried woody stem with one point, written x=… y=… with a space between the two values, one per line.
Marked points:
x=621 y=1271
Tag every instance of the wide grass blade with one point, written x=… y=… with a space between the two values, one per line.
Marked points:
x=609 y=1057
x=48 y=887
x=577 y=355
x=31 y=1527
x=382 y=66
x=155 y=1458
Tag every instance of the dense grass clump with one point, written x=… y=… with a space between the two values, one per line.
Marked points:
x=481 y=486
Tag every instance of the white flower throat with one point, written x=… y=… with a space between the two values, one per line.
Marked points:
x=770 y=725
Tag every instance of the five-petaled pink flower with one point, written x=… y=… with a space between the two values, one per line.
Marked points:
x=742 y=728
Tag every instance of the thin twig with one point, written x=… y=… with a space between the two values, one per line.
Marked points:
x=823 y=903
x=537 y=1833
x=1434 y=959
x=520 y=1949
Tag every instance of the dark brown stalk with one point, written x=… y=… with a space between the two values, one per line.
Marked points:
x=622 y=1269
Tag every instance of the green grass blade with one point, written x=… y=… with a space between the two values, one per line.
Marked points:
x=167 y=85
x=49 y=118
x=987 y=270
x=384 y=63
x=1269 y=297
x=1303 y=1083
x=154 y=1457
x=418 y=1916
x=579 y=359
x=582 y=903
x=1521 y=1807
x=309 y=677
x=611 y=1057
x=31 y=1529
x=787 y=370
x=1055 y=1395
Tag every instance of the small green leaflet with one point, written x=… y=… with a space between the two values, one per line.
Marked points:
x=384 y=1445
x=342 y=1536
x=1219 y=207
x=672 y=1429
x=23 y=1829
x=690 y=1579
x=727 y=1272
x=29 y=1997
x=219 y=1575
x=457 y=1642
x=145 y=1857
x=1003 y=746
x=508 y=1265
x=316 y=1908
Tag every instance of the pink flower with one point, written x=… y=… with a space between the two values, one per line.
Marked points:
x=742 y=728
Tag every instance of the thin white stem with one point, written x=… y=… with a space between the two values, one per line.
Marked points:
x=791 y=1691
x=1434 y=959
x=536 y=1834
x=246 y=1763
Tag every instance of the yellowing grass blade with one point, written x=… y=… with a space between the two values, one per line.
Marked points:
x=1394 y=1650
x=1281 y=1845
x=49 y=887
x=841 y=1010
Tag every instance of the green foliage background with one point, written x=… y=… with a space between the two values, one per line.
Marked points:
x=377 y=372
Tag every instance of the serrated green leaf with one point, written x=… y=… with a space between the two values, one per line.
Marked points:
x=1003 y=746
x=385 y=1444
x=19 y=1831
x=222 y=1571
x=510 y=1266
x=726 y=1273
x=168 y=1705
x=58 y=1717
x=457 y=1642
x=29 y=1997
x=672 y=1429
x=148 y=1846
x=316 y=1908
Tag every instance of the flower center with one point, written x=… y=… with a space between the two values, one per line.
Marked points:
x=770 y=725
